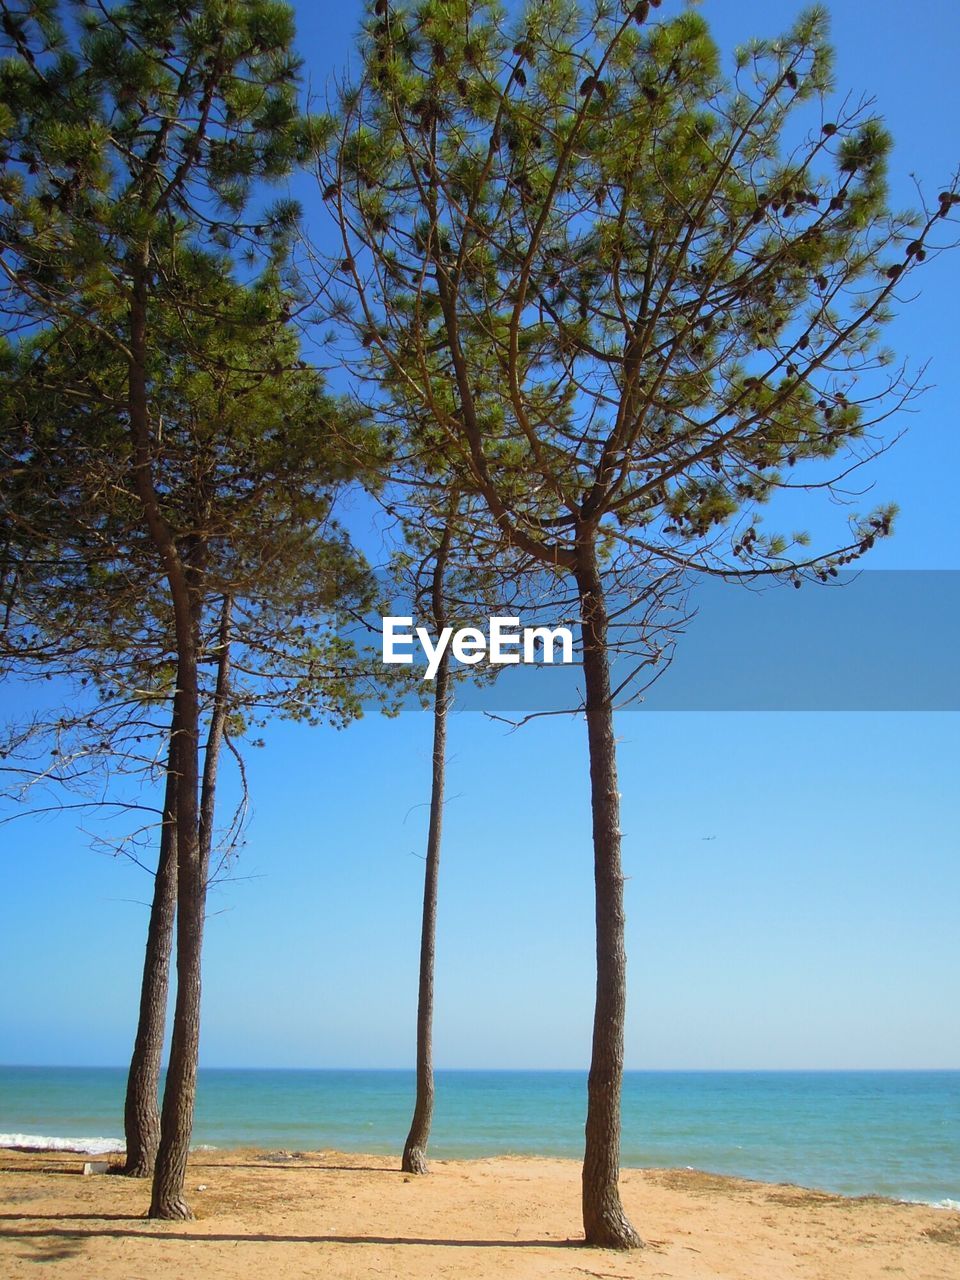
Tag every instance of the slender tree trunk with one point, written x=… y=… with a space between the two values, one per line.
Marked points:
x=604 y=1220
x=179 y=1095
x=176 y=1116
x=215 y=731
x=141 y=1110
x=141 y=1113
x=415 y=1148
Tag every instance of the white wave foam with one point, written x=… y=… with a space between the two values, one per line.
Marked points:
x=86 y=1146
x=947 y=1204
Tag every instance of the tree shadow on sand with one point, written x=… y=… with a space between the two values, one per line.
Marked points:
x=233 y=1238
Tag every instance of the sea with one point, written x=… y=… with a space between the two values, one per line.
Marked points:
x=888 y=1133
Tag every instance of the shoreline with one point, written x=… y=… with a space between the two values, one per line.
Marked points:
x=109 y=1149
x=351 y=1215
x=853 y=1133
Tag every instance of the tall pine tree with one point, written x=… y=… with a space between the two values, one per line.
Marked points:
x=636 y=297
x=135 y=141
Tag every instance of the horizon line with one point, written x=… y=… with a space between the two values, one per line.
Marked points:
x=409 y=1069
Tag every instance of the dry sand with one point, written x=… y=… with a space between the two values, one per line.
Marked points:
x=274 y=1217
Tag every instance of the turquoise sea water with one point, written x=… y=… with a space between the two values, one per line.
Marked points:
x=890 y=1133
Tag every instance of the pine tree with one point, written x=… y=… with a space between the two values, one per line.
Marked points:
x=636 y=298
x=451 y=570
x=134 y=241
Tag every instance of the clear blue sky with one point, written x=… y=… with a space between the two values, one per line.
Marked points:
x=815 y=928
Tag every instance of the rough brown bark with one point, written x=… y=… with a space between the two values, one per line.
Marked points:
x=179 y=1094
x=215 y=731
x=604 y=1221
x=141 y=1112
x=415 y=1148
x=176 y=1117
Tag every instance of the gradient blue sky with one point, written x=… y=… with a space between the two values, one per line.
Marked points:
x=794 y=881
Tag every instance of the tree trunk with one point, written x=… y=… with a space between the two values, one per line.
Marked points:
x=179 y=1095
x=218 y=722
x=415 y=1148
x=141 y=1114
x=604 y=1220
x=176 y=1116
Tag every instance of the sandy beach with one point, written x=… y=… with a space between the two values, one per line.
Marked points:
x=285 y=1215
